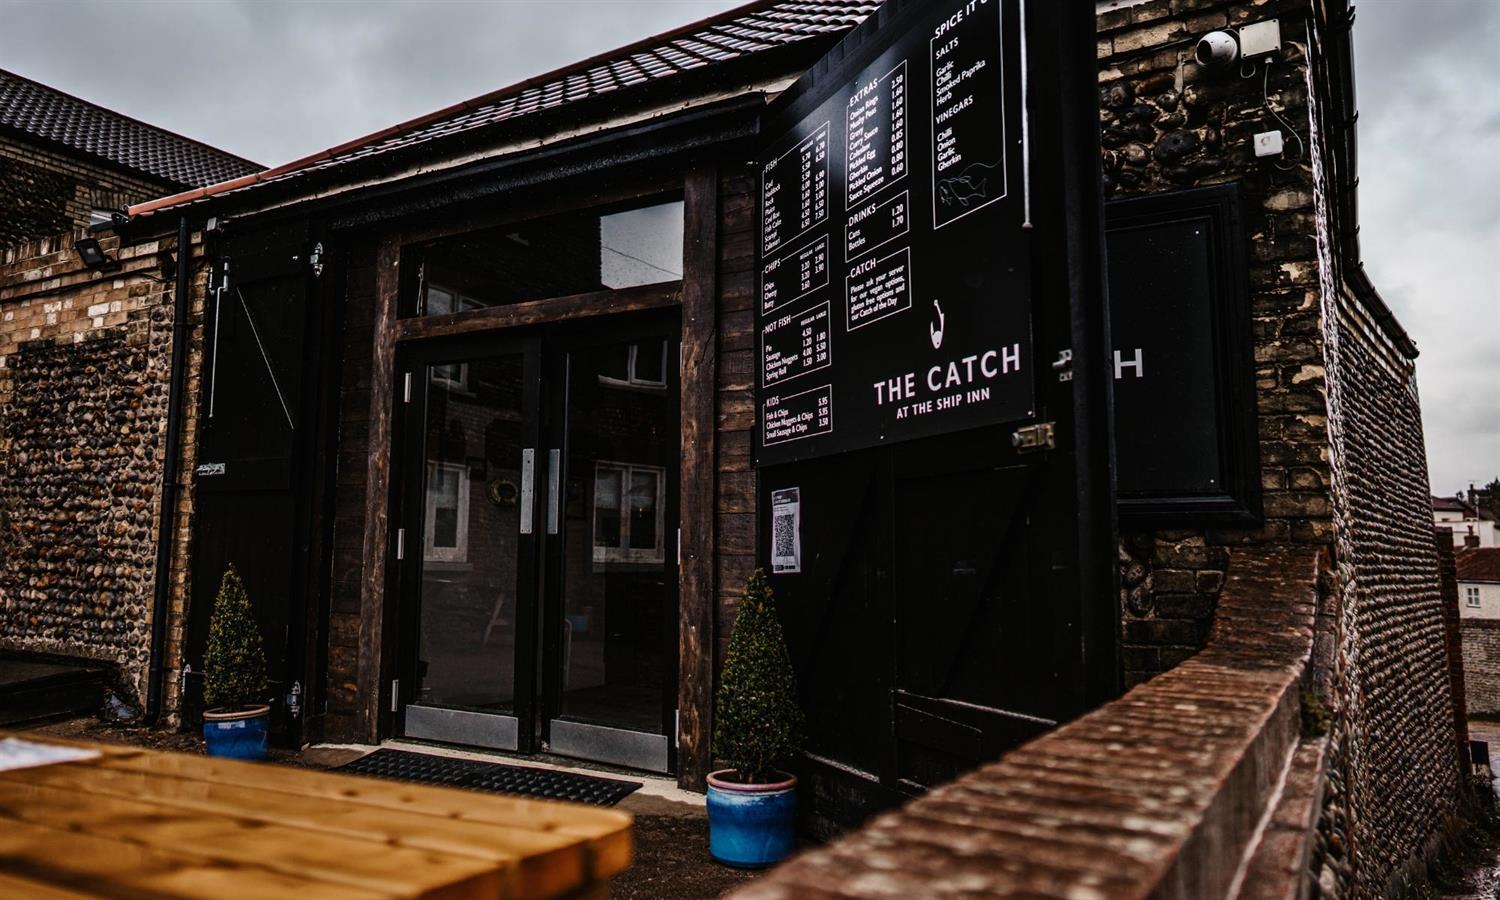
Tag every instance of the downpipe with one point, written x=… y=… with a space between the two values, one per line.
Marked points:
x=167 y=521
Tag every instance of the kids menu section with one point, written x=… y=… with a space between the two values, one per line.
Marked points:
x=895 y=294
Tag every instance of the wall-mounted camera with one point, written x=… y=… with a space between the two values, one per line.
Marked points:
x=1217 y=50
x=1223 y=48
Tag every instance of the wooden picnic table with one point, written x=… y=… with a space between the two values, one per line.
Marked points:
x=142 y=823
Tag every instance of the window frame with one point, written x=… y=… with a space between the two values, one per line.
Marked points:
x=459 y=553
x=1238 y=501
x=411 y=297
x=623 y=552
x=631 y=379
x=1472 y=596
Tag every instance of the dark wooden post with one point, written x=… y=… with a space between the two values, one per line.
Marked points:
x=378 y=488
x=696 y=593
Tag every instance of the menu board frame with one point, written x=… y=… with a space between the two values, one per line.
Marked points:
x=905 y=153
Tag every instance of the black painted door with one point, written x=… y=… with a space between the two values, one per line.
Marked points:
x=258 y=481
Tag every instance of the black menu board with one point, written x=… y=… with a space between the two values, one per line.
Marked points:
x=895 y=289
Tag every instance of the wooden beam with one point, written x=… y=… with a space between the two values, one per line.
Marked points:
x=696 y=594
x=538 y=312
x=378 y=489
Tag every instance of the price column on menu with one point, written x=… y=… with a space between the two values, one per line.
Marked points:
x=796 y=325
x=876 y=145
x=794 y=191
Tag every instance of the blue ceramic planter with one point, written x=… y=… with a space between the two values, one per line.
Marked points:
x=750 y=826
x=236 y=735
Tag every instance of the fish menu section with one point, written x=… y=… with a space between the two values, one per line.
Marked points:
x=878 y=321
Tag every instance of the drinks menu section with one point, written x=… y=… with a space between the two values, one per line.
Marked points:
x=873 y=326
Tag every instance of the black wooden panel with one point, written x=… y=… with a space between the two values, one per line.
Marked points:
x=258 y=431
x=1184 y=401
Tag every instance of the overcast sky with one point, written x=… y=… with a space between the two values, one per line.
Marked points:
x=273 y=81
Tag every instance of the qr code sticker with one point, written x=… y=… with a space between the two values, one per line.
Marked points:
x=786 y=531
x=785 y=535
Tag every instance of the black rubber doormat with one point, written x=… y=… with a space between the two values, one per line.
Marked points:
x=445 y=771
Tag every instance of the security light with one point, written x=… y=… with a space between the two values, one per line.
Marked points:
x=93 y=256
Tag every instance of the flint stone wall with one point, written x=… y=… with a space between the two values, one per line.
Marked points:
x=84 y=363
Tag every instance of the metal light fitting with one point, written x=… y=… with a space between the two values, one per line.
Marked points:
x=93 y=256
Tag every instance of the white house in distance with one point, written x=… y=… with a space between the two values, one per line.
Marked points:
x=1465 y=521
x=1479 y=583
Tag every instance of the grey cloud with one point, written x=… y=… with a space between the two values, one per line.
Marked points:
x=1430 y=210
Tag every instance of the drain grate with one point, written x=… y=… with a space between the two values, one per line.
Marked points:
x=444 y=771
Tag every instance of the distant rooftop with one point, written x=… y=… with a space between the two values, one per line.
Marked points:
x=35 y=110
x=1451 y=504
x=1479 y=564
x=739 y=33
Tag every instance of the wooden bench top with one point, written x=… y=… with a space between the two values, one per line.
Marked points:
x=133 y=822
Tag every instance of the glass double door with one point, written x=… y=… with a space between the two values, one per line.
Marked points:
x=537 y=543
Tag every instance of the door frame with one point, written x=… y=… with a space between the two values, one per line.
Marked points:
x=619 y=746
x=537 y=677
x=409 y=477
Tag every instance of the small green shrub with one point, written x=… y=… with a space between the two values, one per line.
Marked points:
x=757 y=721
x=235 y=660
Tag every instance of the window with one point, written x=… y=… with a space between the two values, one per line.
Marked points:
x=575 y=253
x=453 y=376
x=447 y=514
x=1471 y=596
x=635 y=365
x=441 y=301
x=628 y=508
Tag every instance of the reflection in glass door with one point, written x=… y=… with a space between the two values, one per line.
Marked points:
x=466 y=561
x=611 y=524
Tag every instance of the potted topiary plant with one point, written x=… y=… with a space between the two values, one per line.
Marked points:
x=757 y=724
x=234 y=676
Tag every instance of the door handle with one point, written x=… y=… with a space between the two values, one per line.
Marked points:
x=528 y=487
x=554 y=479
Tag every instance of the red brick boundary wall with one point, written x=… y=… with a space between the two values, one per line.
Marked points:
x=1195 y=784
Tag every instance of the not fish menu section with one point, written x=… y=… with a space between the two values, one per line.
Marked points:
x=876 y=320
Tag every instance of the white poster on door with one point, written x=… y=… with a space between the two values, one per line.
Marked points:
x=786 y=531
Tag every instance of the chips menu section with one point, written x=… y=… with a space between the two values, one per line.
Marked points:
x=872 y=326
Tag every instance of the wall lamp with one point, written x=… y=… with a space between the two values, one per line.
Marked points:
x=93 y=255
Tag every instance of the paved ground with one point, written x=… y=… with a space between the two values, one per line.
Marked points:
x=1478 y=858
x=671 y=828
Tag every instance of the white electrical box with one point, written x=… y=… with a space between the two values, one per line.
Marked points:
x=1268 y=143
x=1260 y=39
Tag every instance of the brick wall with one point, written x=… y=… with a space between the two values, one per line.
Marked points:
x=84 y=364
x=1165 y=125
x=44 y=192
x=1481 y=645
x=1394 y=778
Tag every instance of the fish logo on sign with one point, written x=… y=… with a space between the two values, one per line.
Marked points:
x=935 y=329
